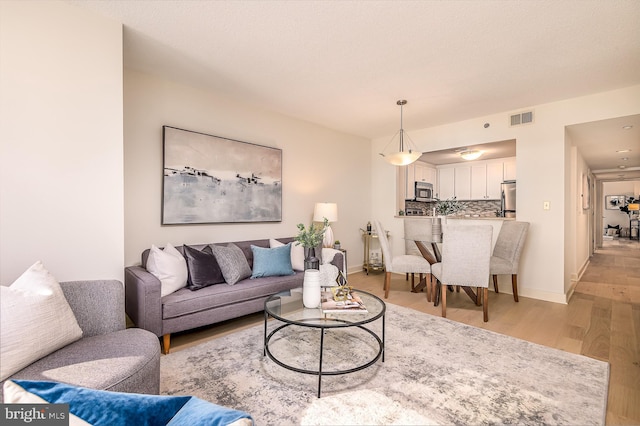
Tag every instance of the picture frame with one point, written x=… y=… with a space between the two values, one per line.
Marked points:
x=614 y=202
x=211 y=179
x=586 y=191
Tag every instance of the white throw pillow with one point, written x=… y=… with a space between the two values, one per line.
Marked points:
x=297 y=253
x=35 y=320
x=169 y=267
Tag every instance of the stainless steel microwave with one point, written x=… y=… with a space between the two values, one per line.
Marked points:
x=424 y=191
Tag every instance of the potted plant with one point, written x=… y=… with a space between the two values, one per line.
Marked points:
x=336 y=245
x=447 y=207
x=310 y=238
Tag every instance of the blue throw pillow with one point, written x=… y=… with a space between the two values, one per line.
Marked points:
x=105 y=408
x=270 y=262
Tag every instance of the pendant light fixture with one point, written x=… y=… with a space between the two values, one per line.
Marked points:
x=402 y=157
x=472 y=154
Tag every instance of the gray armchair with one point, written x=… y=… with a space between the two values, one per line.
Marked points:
x=506 y=253
x=108 y=356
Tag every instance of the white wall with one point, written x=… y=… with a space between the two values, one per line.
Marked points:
x=61 y=172
x=579 y=230
x=544 y=174
x=319 y=165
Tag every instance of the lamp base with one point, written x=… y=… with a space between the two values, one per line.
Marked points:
x=327 y=241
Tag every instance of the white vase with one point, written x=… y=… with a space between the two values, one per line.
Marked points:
x=311 y=289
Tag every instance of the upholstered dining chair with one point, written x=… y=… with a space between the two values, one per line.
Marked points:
x=506 y=253
x=403 y=264
x=415 y=230
x=466 y=254
x=418 y=230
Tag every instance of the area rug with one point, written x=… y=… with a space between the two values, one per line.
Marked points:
x=435 y=371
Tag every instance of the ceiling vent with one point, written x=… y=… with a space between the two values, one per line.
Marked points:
x=521 y=118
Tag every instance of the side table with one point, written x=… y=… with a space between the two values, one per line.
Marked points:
x=367 y=264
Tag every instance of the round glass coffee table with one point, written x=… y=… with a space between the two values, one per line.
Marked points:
x=287 y=308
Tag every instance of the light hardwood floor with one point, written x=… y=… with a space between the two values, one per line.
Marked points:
x=602 y=320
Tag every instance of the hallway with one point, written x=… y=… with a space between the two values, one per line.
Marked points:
x=609 y=291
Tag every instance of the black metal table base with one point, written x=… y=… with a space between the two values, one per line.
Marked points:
x=319 y=372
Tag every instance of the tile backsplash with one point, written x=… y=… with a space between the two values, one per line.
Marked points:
x=490 y=208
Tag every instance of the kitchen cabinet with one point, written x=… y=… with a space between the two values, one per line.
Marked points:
x=510 y=169
x=495 y=172
x=462 y=182
x=424 y=173
x=446 y=183
x=478 y=180
x=486 y=178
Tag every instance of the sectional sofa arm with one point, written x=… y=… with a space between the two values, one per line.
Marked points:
x=98 y=305
x=142 y=299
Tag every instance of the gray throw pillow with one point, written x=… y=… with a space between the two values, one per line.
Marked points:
x=232 y=262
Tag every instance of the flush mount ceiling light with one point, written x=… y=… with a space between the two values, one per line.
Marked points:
x=402 y=157
x=472 y=154
x=628 y=127
x=620 y=151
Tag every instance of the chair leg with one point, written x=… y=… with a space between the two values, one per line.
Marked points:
x=479 y=296
x=443 y=296
x=387 y=284
x=485 y=304
x=406 y=277
x=495 y=283
x=413 y=281
x=166 y=342
x=514 y=285
x=429 y=284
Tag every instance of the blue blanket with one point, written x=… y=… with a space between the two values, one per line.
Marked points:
x=98 y=407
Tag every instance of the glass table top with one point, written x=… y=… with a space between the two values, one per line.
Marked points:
x=287 y=307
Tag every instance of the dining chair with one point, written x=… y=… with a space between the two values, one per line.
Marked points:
x=506 y=253
x=466 y=254
x=415 y=230
x=406 y=263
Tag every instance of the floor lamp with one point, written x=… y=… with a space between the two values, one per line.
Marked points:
x=330 y=212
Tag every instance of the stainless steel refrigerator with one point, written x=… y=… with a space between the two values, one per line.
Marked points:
x=508 y=190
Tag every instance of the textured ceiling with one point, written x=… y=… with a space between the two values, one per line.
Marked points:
x=343 y=64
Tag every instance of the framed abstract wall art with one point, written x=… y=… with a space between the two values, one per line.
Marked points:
x=614 y=202
x=210 y=179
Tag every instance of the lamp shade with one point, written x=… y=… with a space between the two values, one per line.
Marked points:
x=402 y=158
x=634 y=207
x=328 y=210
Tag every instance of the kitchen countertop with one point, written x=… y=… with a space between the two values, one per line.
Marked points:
x=456 y=217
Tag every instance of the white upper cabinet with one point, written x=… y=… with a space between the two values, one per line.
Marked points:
x=478 y=180
x=424 y=173
x=510 y=169
x=462 y=182
x=494 y=179
x=446 y=183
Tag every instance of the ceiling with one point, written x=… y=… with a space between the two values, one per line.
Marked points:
x=344 y=64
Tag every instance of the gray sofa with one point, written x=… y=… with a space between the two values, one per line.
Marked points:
x=108 y=356
x=186 y=309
